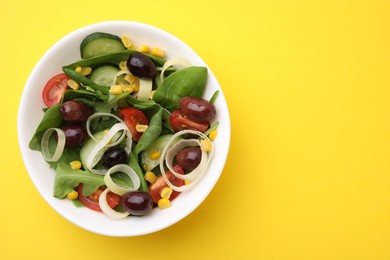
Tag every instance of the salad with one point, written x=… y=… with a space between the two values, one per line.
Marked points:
x=125 y=129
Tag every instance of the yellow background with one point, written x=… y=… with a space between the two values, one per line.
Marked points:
x=308 y=173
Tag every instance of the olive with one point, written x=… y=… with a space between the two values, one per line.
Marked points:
x=189 y=158
x=75 y=135
x=197 y=109
x=141 y=66
x=137 y=203
x=75 y=112
x=114 y=156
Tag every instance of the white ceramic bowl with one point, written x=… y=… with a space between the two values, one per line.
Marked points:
x=66 y=51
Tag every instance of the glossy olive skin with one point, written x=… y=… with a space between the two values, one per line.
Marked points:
x=197 y=109
x=189 y=158
x=75 y=135
x=137 y=203
x=75 y=112
x=114 y=156
x=141 y=66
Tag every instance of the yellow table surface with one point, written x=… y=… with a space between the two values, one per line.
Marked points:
x=308 y=172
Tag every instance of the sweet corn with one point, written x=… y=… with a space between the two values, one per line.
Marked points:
x=122 y=65
x=72 y=84
x=75 y=165
x=166 y=192
x=206 y=145
x=187 y=182
x=143 y=48
x=164 y=203
x=213 y=134
x=130 y=78
x=141 y=128
x=155 y=155
x=85 y=71
x=73 y=195
x=126 y=41
x=145 y=166
x=150 y=177
x=158 y=52
x=116 y=89
x=128 y=88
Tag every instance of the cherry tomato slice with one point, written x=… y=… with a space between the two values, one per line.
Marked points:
x=180 y=122
x=155 y=188
x=92 y=201
x=132 y=118
x=54 y=89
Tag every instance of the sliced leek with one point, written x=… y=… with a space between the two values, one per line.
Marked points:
x=120 y=190
x=107 y=209
x=59 y=148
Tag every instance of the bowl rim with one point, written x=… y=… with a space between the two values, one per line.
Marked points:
x=25 y=151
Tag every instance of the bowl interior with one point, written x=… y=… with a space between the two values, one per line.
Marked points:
x=66 y=51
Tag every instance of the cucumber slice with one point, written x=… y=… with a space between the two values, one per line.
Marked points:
x=158 y=146
x=99 y=43
x=88 y=146
x=104 y=75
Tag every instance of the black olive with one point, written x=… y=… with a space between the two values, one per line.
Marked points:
x=114 y=156
x=141 y=66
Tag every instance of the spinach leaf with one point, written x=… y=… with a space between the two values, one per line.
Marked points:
x=84 y=80
x=67 y=179
x=151 y=133
x=51 y=118
x=133 y=163
x=190 y=81
x=80 y=94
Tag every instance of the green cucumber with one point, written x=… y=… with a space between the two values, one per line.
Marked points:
x=158 y=146
x=104 y=75
x=88 y=146
x=99 y=43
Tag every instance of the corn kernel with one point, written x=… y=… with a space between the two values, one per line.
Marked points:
x=126 y=41
x=123 y=65
x=128 y=88
x=85 y=71
x=141 y=128
x=116 y=89
x=155 y=155
x=187 y=182
x=158 y=52
x=145 y=166
x=206 y=145
x=73 y=195
x=213 y=134
x=72 y=84
x=143 y=48
x=166 y=192
x=130 y=78
x=150 y=177
x=164 y=203
x=75 y=165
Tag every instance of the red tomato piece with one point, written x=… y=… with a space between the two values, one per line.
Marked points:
x=132 y=118
x=54 y=89
x=155 y=188
x=180 y=122
x=92 y=201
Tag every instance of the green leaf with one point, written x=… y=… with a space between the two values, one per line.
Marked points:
x=190 y=81
x=51 y=118
x=151 y=134
x=67 y=179
x=133 y=163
